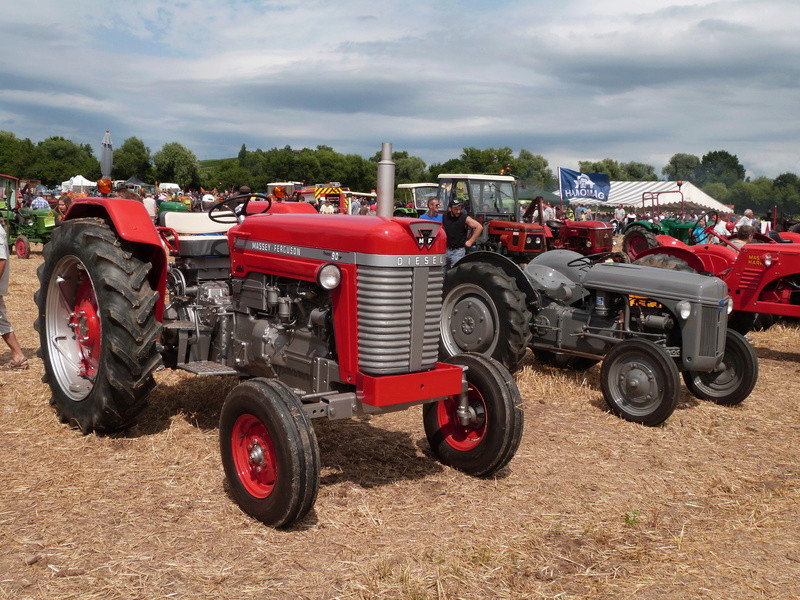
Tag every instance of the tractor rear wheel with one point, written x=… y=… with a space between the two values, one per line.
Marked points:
x=269 y=452
x=22 y=247
x=483 y=311
x=490 y=436
x=97 y=326
x=561 y=360
x=736 y=378
x=640 y=382
x=638 y=239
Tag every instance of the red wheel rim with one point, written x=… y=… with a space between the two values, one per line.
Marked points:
x=85 y=324
x=254 y=456
x=462 y=437
x=19 y=247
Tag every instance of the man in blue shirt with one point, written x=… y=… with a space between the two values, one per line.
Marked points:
x=433 y=213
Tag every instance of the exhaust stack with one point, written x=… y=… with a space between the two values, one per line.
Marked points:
x=386 y=182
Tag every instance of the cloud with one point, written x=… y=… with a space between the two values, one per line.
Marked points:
x=571 y=80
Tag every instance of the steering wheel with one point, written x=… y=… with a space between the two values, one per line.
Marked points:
x=593 y=259
x=230 y=204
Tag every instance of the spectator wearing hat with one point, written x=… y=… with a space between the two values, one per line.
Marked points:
x=461 y=230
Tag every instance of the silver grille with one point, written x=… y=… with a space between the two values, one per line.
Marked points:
x=398 y=319
x=712 y=334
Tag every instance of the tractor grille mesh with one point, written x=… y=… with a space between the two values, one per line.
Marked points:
x=398 y=319
x=712 y=336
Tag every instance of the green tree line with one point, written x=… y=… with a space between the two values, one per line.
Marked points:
x=718 y=173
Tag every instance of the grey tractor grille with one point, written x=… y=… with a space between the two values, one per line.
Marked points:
x=712 y=335
x=398 y=319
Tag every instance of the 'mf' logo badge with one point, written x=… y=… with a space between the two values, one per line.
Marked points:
x=425 y=233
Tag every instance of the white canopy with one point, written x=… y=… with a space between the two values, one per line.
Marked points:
x=629 y=193
x=78 y=183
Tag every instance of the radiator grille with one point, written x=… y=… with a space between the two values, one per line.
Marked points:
x=750 y=278
x=712 y=335
x=398 y=319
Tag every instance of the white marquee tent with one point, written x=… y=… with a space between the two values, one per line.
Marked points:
x=78 y=183
x=629 y=193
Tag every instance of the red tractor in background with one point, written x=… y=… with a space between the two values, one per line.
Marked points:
x=327 y=317
x=763 y=278
x=492 y=200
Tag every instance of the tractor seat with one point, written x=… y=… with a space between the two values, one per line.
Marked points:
x=197 y=234
x=554 y=224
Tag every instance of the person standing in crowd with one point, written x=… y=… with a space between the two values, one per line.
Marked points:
x=18 y=360
x=747 y=219
x=326 y=208
x=62 y=206
x=150 y=205
x=355 y=205
x=433 y=213
x=207 y=202
x=461 y=230
x=40 y=202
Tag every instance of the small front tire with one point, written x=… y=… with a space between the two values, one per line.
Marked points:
x=736 y=378
x=640 y=382
x=269 y=452
x=489 y=441
x=22 y=247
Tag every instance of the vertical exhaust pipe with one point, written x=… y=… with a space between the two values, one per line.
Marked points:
x=386 y=182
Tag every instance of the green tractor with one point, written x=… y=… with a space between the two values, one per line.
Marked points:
x=641 y=235
x=24 y=226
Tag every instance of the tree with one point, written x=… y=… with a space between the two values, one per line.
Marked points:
x=683 y=167
x=636 y=171
x=721 y=166
x=608 y=166
x=533 y=169
x=132 y=158
x=58 y=159
x=175 y=163
x=16 y=156
x=228 y=174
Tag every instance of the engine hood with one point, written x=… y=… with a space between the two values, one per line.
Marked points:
x=655 y=283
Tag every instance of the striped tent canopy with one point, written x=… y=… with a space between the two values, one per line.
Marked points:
x=629 y=193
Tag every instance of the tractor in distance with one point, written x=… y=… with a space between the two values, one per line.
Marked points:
x=411 y=199
x=24 y=226
x=324 y=317
x=493 y=201
x=763 y=277
x=645 y=324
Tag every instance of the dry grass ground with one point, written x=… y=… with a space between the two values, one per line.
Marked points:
x=706 y=506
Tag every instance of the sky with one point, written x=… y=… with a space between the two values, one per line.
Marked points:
x=631 y=80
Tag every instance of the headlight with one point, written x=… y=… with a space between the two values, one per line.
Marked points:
x=329 y=276
x=730 y=305
x=768 y=260
x=684 y=309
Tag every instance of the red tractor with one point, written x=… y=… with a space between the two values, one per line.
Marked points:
x=492 y=200
x=763 y=278
x=326 y=317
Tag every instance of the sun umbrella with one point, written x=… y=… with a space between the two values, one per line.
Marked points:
x=106 y=156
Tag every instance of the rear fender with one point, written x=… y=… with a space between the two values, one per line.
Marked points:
x=130 y=220
x=508 y=266
x=791 y=236
x=669 y=241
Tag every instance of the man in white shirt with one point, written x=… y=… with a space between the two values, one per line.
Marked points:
x=747 y=219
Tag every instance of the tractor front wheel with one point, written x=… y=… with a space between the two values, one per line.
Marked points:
x=22 y=247
x=640 y=382
x=638 y=239
x=484 y=438
x=483 y=311
x=735 y=378
x=269 y=452
x=97 y=326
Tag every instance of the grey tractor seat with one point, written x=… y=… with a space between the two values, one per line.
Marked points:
x=197 y=234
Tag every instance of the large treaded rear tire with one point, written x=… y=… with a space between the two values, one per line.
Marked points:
x=97 y=326
x=484 y=311
x=638 y=239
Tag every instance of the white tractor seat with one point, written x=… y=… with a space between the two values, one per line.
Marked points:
x=197 y=234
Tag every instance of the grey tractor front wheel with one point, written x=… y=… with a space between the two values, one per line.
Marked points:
x=735 y=378
x=640 y=382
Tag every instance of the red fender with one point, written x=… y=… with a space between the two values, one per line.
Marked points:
x=668 y=241
x=678 y=250
x=790 y=235
x=130 y=220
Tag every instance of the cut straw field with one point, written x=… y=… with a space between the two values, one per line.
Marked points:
x=706 y=506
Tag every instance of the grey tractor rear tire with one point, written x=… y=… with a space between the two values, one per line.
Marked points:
x=97 y=326
x=484 y=311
